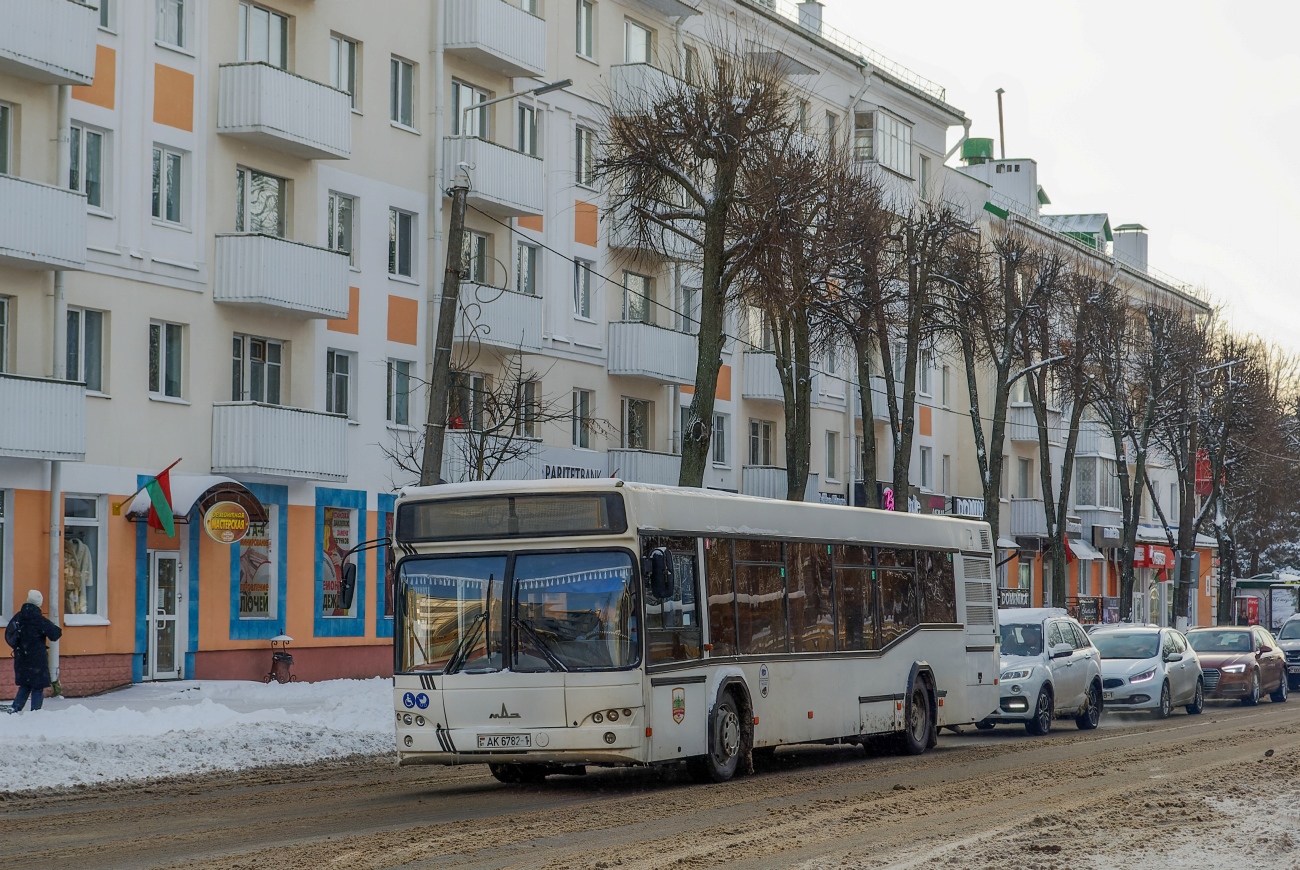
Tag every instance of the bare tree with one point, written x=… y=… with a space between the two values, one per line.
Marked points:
x=679 y=158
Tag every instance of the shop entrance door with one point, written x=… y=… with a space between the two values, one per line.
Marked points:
x=163 y=659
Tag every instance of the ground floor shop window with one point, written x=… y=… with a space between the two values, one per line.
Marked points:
x=258 y=580
x=82 y=540
x=339 y=536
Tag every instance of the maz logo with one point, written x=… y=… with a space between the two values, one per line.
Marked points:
x=504 y=714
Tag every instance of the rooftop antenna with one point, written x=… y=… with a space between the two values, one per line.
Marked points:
x=1002 y=133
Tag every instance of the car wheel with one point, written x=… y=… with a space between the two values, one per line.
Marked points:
x=984 y=725
x=1279 y=697
x=1198 y=700
x=1253 y=698
x=1042 y=721
x=918 y=726
x=1166 y=702
x=725 y=739
x=1091 y=716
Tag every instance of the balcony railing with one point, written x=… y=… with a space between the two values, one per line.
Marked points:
x=1022 y=425
x=1099 y=516
x=281 y=275
x=645 y=466
x=49 y=41
x=499 y=318
x=41 y=226
x=1027 y=517
x=623 y=233
x=759 y=379
x=635 y=88
x=502 y=181
x=764 y=481
x=269 y=106
x=1095 y=440
x=496 y=35
x=470 y=456
x=879 y=400
x=252 y=438
x=661 y=355
x=42 y=419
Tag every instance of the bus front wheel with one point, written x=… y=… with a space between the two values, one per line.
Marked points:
x=918 y=722
x=726 y=739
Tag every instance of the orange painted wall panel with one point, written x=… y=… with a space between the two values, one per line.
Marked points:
x=532 y=222
x=102 y=91
x=352 y=323
x=31 y=545
x=723 y=392
x=173 y=97
x=403 y=319
x=925 y=423
x=584 y=223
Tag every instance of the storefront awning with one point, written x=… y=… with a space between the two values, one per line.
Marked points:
x=203 y=490
x=1007 y=544
x=1156 y=535
x=1083 y=550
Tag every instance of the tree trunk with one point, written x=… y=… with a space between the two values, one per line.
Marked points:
x=798 y=410
x=862 y=351
x=709 y=343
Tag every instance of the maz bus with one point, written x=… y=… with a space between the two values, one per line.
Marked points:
x=547 y=625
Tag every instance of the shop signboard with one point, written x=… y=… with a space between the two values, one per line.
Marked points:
x=226 y=522
x=1014 y=598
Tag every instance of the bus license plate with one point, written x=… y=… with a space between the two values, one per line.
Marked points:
x=505 y=741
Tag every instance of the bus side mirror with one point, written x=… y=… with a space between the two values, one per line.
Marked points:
x=348 y=586
x=660 y=574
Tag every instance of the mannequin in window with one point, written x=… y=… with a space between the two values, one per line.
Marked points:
x=78 y=574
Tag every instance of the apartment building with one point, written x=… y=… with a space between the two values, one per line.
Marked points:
x=222 y=237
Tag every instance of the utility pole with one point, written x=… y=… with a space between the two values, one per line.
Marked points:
x=1002 y=131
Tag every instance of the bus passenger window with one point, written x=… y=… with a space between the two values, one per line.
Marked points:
x=938 y=588
x=812 y=611
x=722 y=596
x=855 y=602
x=894 y=558
x=853 y=554
x=760 y=596
x=898 y=604
x=673 y=626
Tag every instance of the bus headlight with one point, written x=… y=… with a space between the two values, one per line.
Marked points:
x=597 y=718
x=419 y=720
x=609 y=737
x=612 y=715
x=407 y=719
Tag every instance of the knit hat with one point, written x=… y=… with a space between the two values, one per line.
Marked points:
x=35 y=597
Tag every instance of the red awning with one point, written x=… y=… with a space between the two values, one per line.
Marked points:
x=1153 y=556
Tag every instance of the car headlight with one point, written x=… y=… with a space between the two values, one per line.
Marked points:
x=1018 y=674
x=1235 y=669
x=1143 y=677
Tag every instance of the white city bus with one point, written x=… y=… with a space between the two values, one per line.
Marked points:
x=547 y=625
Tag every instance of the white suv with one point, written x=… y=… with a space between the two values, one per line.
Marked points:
x=1050 y=669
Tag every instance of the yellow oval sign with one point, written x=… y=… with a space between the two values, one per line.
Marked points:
x=226 y=522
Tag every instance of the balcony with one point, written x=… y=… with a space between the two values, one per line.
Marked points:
x=475 y=456
x=499 y=318
x=641 y=350
x=1027 y=518
x=1095 y=440
x=645 y=466
x=41 y=226
x=502 y=181
x=42 y=419
x=879 y=401
x=635 y=88
x=1099 y=516
x=268 y=106
x=1022 y=425
x=764 y=481
x=280 y=276
x=48 y=41
x=624 y=234
x=760 y=381
x=251 y=438
x=496 y=35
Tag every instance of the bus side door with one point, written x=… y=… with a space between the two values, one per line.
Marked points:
x=677 y=701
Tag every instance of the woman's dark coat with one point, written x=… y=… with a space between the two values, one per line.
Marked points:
x=27 y=633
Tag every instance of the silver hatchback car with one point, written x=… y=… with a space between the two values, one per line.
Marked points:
x=1146 y=667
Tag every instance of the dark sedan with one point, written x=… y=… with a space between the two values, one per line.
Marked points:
x=1240 y=662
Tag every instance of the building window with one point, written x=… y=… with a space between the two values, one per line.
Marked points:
x=402 y=92
x=338 y=382
x=530 y=393
x=832 y=127
x=893 y=143
x=582 y=408
x=260 y=203
x=256 y=370
x=465 y=119
x=526 y=270
x=1024 y=478
x=528 y=130
x=927 y=468
x=167 y=185
x=636 y=424
x=899 y=352
x=339 y=222
x=399 y=393
x=474 y=249
x=87 y=166
x=469 y=393
x=637 y=43
x=760 y=442
x=927 y=367
x=166 y=352
x=4 y=333
x=636 y=298
x=923 y=174
x=5 y=138
x=832 y=455
x=258 y=568
x=82 y=590
x=943 y=385
x=263 y=36
x=585 y=165
x=586 y=32
x=339 y=532
x=85 y=356
x=582 y=287
x=719 y=440
x=343 y=67
x=171 y=22
x=945 y=480
x=401 y=236
x=529 y=6
x=687 y=299
x=691 y=63
x=106 y=14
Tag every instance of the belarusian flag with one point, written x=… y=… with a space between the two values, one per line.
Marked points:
x=160 y=504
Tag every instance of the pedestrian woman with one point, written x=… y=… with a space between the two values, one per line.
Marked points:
x=27 y=633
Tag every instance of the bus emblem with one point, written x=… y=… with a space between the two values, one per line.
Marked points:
x=679 y=705
x=504 y=714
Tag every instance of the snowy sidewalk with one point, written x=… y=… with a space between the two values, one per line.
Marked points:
x=192 y=727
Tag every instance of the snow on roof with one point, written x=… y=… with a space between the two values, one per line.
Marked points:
x=1082 y=224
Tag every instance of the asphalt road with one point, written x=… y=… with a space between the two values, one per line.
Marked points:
x=978 y=797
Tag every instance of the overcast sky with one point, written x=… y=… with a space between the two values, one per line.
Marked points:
x=1175 y=115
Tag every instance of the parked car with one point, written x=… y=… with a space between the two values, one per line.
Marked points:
x=1050 y=669
x=1241 y=662
x=1288 y=639
x=1145 y=667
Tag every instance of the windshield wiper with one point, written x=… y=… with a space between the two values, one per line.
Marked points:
x=550 y=657
x=461 y=652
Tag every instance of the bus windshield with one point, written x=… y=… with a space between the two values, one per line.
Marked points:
x=569 y=612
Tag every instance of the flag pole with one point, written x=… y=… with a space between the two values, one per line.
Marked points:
x=117 y=506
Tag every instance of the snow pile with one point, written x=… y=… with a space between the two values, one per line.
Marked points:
x=170 y=729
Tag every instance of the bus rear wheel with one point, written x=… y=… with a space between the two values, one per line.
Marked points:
x=918 y=722
x=519 y=773
x=726 y=738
